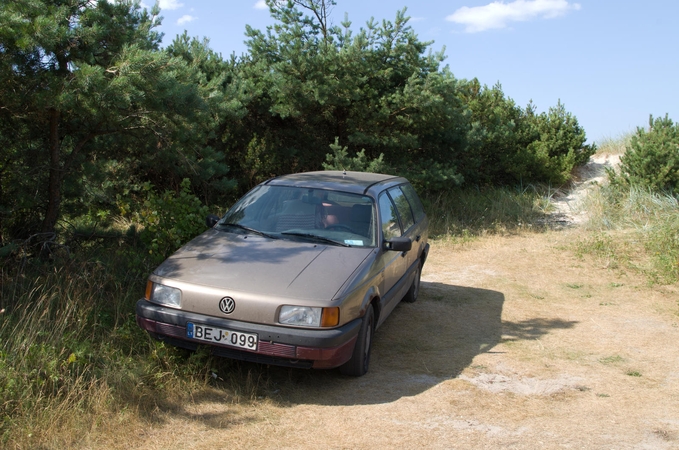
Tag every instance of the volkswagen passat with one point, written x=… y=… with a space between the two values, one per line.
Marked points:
x=300 y=272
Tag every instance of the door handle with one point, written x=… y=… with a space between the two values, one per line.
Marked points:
x=418 y=237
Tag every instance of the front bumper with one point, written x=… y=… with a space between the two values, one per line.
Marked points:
x=293 y=347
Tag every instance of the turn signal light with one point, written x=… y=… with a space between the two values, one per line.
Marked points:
x=149 y=288
x=330 y=317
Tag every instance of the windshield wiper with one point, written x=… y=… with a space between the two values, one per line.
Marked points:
x=315 y=237
x=248 y=229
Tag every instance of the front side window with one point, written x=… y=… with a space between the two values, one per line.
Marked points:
x=388 y=217
x=403 y=207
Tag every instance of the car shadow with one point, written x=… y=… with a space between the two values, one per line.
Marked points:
x=419 y=346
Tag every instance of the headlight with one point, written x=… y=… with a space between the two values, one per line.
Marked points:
x=309 y=316
x=164 y=295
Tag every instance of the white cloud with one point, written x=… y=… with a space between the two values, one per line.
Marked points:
x=499 y=14
x=261 y=4
x=169 y=4
x=185 y=19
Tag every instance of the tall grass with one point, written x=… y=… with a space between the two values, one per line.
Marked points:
x=634 y=226
x=74 y=366
x=644 y=222
x=614 y=145
x=70 y=352
x=475 y=212
x=52 y=361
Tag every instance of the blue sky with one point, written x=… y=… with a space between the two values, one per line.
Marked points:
x=612 y=63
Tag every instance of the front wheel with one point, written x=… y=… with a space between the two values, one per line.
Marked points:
x=360 y=360
x=414 y=290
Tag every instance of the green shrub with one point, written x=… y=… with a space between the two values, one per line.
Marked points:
x=170 y=220
x=339 y=159
x=510 y=145
x=559 y=148
x=651 y=159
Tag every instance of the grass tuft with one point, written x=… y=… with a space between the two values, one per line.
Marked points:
x=634 y=224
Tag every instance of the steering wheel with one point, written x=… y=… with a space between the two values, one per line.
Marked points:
x=339 y=226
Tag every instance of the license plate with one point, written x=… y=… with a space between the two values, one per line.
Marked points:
x=221 y=336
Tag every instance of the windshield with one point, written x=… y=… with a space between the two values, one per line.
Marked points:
x=302 y=213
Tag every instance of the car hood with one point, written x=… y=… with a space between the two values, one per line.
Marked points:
x=259 y=265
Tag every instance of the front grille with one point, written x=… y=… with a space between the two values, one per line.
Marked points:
x=273 y=349
x=260 y=358
x=170 y=330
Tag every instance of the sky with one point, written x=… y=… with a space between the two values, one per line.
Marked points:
x=612 y=63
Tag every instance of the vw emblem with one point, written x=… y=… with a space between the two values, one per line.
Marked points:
x=227 y=305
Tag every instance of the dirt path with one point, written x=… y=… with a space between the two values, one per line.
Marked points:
x=514 y=343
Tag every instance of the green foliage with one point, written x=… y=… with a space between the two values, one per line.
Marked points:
x=560 y=147
x=651 y=159
x=510 y=145
x=170 y=220
x=374 y=91
x=86 y=87
x=339 y=160
x=432 y=176
x=92 y=109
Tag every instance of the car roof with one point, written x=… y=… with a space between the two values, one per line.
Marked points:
x=345 y=181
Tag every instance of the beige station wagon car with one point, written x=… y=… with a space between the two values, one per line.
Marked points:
x=300 y=272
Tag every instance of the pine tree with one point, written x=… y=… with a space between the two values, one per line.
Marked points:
x=73 y=74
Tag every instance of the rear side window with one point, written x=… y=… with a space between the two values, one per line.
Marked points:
x=403 y=207
x=414 y=200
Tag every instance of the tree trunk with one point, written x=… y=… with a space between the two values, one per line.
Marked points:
x=56 y=175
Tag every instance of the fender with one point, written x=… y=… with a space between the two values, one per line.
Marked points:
x=372 y=296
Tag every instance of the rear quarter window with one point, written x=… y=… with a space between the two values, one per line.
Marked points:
x=414 y=200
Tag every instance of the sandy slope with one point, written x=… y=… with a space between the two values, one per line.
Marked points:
x=569 y=205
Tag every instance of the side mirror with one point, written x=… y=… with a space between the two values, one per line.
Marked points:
x=211 y=220
x=398 y=244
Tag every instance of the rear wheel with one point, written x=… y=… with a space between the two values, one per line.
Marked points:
x=414 y=290
x=360 y=360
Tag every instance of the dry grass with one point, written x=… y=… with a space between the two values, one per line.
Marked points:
x=614 y=145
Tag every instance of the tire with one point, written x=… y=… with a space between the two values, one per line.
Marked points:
x=360 y=360
x=414 y=290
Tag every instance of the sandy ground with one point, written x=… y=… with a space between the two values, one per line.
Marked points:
x=514 y=343
x=568 y=205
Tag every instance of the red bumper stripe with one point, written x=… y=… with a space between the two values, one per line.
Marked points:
x=323 y=357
